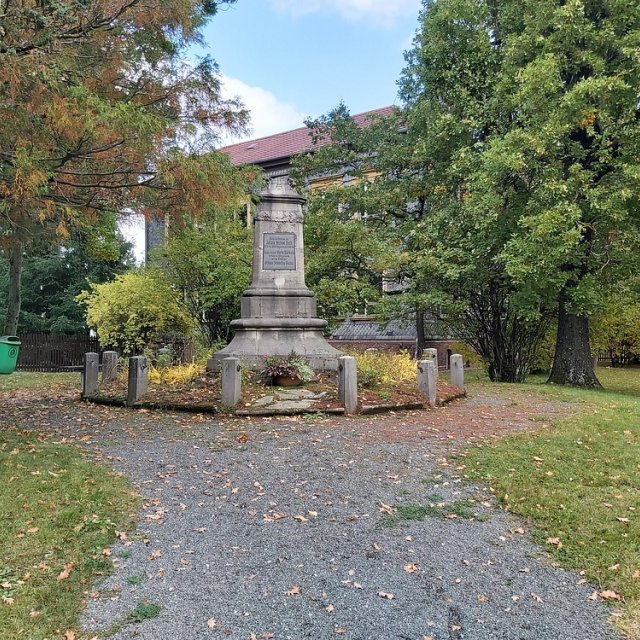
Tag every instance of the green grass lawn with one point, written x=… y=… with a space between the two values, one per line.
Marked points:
x=30 y=380
x=59 y=512
x=578 y=481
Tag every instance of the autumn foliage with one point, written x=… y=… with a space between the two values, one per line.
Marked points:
x=101 y=112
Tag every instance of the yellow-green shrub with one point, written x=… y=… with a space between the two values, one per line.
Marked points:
x=375 y=369
x=176 y=375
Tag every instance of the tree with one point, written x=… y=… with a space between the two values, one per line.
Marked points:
x=533 y=106
x=101 y=113
x=398 y=218
x=135 y=311
x=54 y=275
x=616 y=325
x=356 y=222
x=210 y=264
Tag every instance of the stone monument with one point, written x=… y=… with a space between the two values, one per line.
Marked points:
x=278 y=311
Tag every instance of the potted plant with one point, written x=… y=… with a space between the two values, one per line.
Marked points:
x=287 y=371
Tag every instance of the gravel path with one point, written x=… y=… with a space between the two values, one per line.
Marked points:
x=285 y=529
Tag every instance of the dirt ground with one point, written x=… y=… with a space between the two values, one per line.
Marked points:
x=482 y=414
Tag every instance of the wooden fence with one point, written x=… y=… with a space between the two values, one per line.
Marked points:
x=46 y=352
x=53 y=352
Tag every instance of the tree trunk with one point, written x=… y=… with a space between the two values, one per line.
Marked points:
x=572 y=362
x=15 y=280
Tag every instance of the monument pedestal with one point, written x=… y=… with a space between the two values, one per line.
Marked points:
x=278 y=311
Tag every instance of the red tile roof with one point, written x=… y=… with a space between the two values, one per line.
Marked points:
x=287 y=144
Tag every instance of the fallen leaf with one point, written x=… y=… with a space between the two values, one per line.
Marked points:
x=34 y=614
x=385 y=595
x=7 y=600
x=66 y=572
x=555 y=541
x=294 y=591
x=411 y=567
x=618 y=519
x=636 y=575
x=341 y=631
x=593 y=596
x=614 y=567
x=536 y=597
x=329 y=608
x=300 y=518
x=211 y=623
x=272 y=516
x=69 y=635
x=483 y=598
x=242 y=438
x=33 y=530
x=5 y=584
x=610 y=595
x=385 y=508
x=154 y=555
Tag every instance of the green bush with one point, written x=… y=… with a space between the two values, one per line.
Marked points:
x=135 y=310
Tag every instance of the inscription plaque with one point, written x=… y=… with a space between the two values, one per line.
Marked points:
x=279 y=251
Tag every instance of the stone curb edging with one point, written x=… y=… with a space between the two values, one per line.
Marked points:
x=154 y=406
x=455 y=396
x=262 y=413
x=245 y=413
x=370 y=409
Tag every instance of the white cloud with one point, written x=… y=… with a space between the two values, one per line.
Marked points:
x=268 y=114
x=384 y=12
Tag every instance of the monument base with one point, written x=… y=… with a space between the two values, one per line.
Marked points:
x=255 y=340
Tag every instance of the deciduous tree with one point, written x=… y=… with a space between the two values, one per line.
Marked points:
x=53 y=275
x=210 y=264
x=101 y=112
x=534 y=107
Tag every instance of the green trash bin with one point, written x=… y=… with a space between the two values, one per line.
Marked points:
x=9 y=350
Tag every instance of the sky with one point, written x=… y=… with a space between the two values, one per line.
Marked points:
x=288 y=60
x=291 y=59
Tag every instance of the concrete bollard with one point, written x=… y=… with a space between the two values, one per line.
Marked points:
x=427 y=381
x=231 y=382
x=90 y=374
x=431 y=354
x=138 y=378
x=348 y=383
x=457 y=370
x=109 y=366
